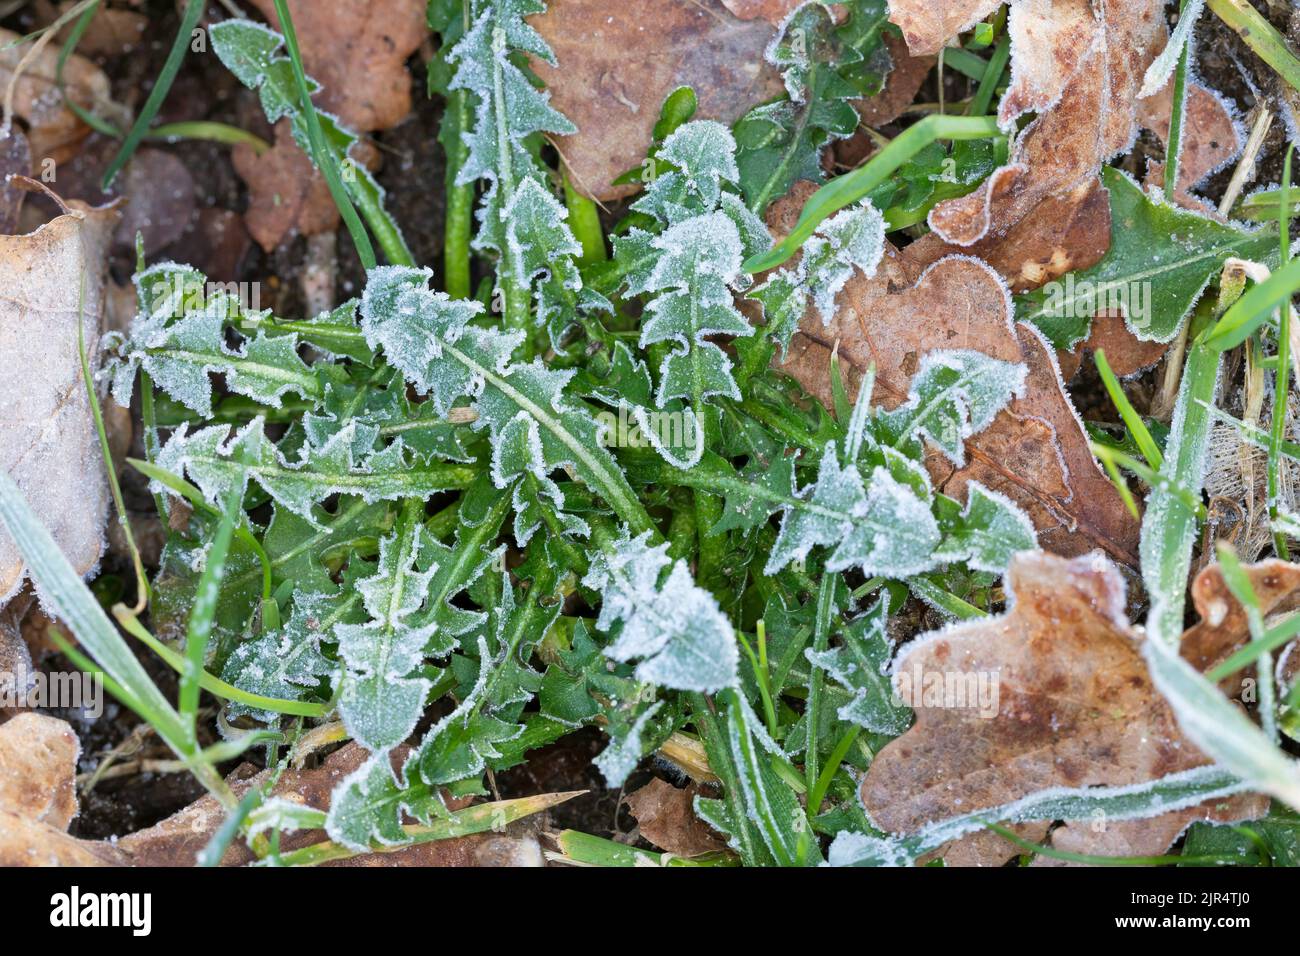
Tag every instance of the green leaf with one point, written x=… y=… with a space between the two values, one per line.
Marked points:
x=215 y=465
x=1161 y=259
x=859 y=664
x=677 y=629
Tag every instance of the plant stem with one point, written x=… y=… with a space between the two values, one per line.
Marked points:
x=460 y=198
x=1174 y=140
x=584 y=220
x=817 y=677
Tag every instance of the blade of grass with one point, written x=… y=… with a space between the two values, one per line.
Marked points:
x=162 y=86
x=476 y=819
x=1234 y=575
x=198 y=631
x=322 y=156
x=1132 y=420
x=1174 y=141
x=62 y=589
x=584 y=220
x=1169 y=524
x=853 y=186
x=1282 y=383
x=210 y=131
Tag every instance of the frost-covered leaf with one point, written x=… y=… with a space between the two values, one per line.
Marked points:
x=216 y=465
x=770 y=806
x=681 y=635
x=954 y=395
x=426 y=335
x=986 y=533
x=288 y=664
x=824 y=67
x=381 y=699
x=367 y=806
x=999 y=719
x=860 y=664
x=700 y=259
x=48 y=444
x=1161 y=259
x=181 y=355
x=881 y=527
x=851 y=240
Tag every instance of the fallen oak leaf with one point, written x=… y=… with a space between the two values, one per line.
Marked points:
x=618 y=63
x=1075 y=707
x=54 y=130
x=1211 y=139
x=1087 y=105
x=48 y=443
x=666 y=817
x=1036 y=451
x=38 y=766
x=901 y=86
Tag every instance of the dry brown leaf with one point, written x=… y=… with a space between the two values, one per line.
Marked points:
x=1035 y=452
x=1125 y=352
x=928 y=26
x=1063 y=234
x=27 y=840
x=1212 y=138
x=1076 y=708
x=15 y=160
x=901 y=86
x=111 y=32
x=53 y=129
x=773 y=11
x=38 y=767
x=666 y=817
x=48 y=444
x=357 y=50
x=1082 y=73
x=619 y=62
x=287 y=196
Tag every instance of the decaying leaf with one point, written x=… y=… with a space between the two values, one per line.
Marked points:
x=287 y=196
x=619 y=62
x=1125 y=352
x=1212 y=138
x=666 y=817
x=901 y=86
x=773 y=11
x=357 y=50
x=54 y=130
x=48 y=443
x=1035 y=452
x=38 y=763
x=1081 y=72
x=1063 y=234
x=1067 y=701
